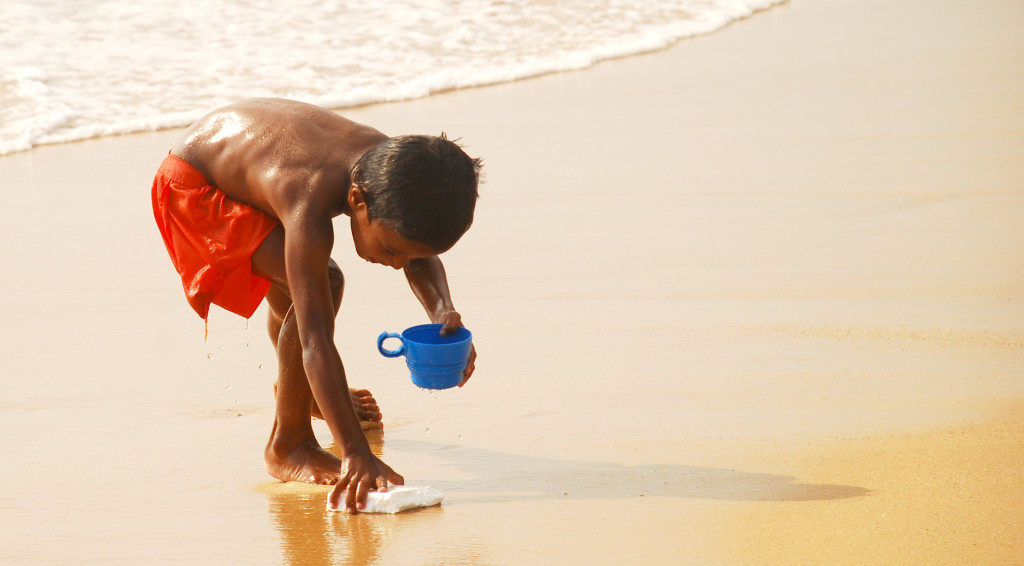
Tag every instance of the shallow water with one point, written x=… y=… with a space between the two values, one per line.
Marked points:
x=71 y=71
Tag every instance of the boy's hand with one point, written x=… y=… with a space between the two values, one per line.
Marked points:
x=452 y=320
x=470 y=366
x=361 y=473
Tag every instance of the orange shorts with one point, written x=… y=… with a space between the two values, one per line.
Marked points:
x=211 y=239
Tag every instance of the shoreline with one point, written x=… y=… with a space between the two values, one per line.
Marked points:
x=417 y=88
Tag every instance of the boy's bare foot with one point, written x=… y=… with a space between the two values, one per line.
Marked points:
x=366 y=408
x=365 y=405
x=306 y=462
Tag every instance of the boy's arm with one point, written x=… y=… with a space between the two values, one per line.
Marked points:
x=430 y=285
x=307 y=251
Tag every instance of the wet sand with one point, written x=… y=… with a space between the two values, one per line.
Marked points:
x=951 y=496
x=729 y=299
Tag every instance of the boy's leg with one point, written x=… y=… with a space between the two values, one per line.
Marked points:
x=292 y=453
x=365 y=405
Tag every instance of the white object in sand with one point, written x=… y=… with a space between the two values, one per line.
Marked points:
x=396 y=499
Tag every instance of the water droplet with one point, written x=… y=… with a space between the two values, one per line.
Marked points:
x=427 y=430
x=209 y=356
x=460 y=437
x=260 y=366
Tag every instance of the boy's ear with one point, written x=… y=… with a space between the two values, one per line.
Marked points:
x=355 y=197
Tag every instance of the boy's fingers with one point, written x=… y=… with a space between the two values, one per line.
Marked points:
x=470 y=367
x=362 y=488
x=334 y=498
x=452 y=322
x=350 y=498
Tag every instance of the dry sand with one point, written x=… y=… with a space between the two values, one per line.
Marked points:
x=757 y=298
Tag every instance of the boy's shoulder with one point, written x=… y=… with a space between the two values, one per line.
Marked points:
x=278 y=154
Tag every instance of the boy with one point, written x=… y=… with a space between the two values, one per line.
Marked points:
x=244 y=203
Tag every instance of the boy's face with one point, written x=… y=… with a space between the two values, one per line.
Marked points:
x=377 y=244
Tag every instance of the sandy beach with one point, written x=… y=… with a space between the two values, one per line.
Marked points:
x=757 y=298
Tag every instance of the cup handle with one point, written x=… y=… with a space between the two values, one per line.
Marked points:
x=390 y=353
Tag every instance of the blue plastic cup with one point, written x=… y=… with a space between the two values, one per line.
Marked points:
x=435 y=361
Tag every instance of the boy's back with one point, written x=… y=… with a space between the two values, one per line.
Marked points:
x=275 y=154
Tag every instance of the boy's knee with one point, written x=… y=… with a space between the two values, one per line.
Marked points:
x=279 y=301
x=336 y=278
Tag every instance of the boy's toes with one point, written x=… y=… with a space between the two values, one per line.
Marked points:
x=361 y=395
x=371 y=425
x=364 y=415
x=365 y=405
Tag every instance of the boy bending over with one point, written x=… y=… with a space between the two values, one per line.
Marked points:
x=244 y=203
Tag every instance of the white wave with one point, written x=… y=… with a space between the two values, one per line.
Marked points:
x=71 y=71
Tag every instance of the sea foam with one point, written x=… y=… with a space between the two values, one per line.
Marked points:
x=72 y=70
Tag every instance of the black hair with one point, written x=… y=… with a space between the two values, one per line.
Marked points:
x=422 y=187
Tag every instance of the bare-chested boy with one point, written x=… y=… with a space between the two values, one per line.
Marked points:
x=244 y=202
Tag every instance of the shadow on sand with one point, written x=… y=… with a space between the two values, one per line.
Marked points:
x=310 y=535
x=501 y=476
